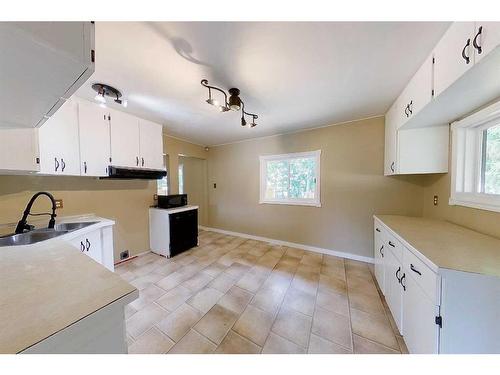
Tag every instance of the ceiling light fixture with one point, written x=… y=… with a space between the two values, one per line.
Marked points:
x=234 y=103
x=104 y=91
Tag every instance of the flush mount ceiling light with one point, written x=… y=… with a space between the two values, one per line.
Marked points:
x=104 y=91
x=234 y=103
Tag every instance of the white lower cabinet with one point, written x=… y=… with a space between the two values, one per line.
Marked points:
x=379 y=254
x=97 y=244
x=393 y=288
x=419 y=317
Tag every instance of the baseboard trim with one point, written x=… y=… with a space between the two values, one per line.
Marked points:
x=315 y=249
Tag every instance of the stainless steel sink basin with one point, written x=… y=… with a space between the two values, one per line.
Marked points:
x=74 y=226
x=31 y=237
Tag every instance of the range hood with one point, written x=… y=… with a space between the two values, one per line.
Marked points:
x=134 y=174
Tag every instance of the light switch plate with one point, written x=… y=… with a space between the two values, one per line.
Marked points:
x=59 y=203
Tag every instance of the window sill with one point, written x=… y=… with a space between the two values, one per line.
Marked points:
x=495 y=207
x=292 y=203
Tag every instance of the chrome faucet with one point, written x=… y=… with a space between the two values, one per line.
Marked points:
x=22 y=224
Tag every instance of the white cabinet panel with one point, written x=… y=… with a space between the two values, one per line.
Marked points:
x=151 y=144
x=393 y=289
x=486 y=38
x=419 y=313
x=19 y=150
x=390 y=165
x=379 y=255
x=59 y=142
x=454 y=55
x=90 y=244
x=94 y=139
x=125 y=137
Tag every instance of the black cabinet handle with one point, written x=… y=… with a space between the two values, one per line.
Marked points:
x=381 y=252
x=85 y=167
x=56 y=164
x=82 y=246
x=401 y=282
x=88 y=244
x=406 y=111
x=474 y=42
x=465 y=57
x=142 y=159
x=391 y=244
x=63 y=165
x=378 y=230
x=410 y=107
x=399 y=269
x=392 y=166
x=412 y=267
x=137 y=160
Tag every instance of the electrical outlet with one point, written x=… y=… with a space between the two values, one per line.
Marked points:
x=124 y=255
x=155 y=197
x=59 y=203
x=436 y=200
x=215 y=186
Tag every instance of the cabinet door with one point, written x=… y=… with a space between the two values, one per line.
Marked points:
x=124 y=139
x=394 y=291
x=454 y=55
x=59 y=143
x=19 y=150
x=151 y=144
x=379 y=255
x=89 y=244
x=486 y=39
x=419 y=312
x=418 y=93
x=94 y=139
x=390 y=140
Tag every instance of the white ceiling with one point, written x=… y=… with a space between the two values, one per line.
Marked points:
x=293 y=75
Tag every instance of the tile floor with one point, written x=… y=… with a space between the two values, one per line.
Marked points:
x=232 y=295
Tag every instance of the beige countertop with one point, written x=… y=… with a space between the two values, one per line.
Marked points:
x=48 y=286
x=448 y=245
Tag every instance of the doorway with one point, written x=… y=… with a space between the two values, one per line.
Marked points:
x=193 y=182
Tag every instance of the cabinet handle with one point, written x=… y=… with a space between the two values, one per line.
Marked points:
x=137 y=160
x=412 y=267
x=82 y=246
x=474 y=42
x=399 y=269
x=88 y=244
x=63 y=165
x=406 y=110
x=465 y=57
x=392 y=166
x=378 y=230
x=56 y=165
x=85 y=167
x=401 y=282
x=381 y=252
x=142 y=161
x=391 y=244
x=410 y=107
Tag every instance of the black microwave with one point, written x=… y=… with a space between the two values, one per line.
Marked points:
x=172 y=201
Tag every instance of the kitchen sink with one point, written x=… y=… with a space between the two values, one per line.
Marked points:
x=74 y=226
x=31 y=237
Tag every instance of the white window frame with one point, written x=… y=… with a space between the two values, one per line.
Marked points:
x=466 y=159
x=316 y=202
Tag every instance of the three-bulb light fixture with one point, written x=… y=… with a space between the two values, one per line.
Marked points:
x=234 y=103
x=104 y=91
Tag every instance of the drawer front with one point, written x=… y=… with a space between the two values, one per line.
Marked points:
x=392 y=244
x=423 y=275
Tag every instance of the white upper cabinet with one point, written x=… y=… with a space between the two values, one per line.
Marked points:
x=19 y=150
x=59 y=142
x=454 y=55
x=125 y=137
x=390 y=151
x=94 y=139
x=486 y=39
x=418 y=93
x=151 y=145
x=42 y=64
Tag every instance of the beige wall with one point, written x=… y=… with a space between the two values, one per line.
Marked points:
x=173 y=147
x=483 y=221
x=126 y=202
x=353 y=188
x=195 y=185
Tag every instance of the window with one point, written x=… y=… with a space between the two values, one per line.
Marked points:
x=163 y=184
x=181 y=178
x=290 y=179
x=476 y=160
